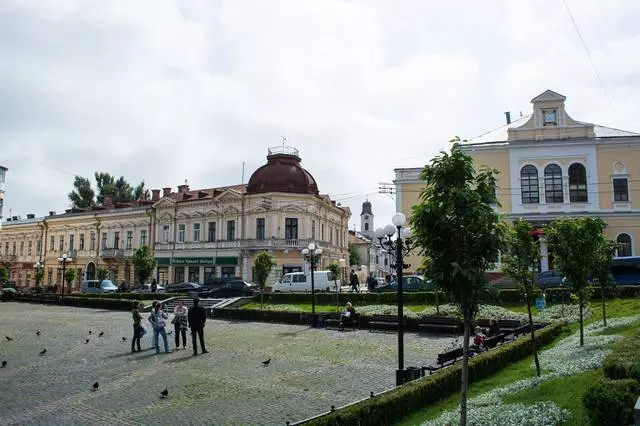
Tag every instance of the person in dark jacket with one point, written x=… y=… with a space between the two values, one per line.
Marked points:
x=371 y=282
x=354 y=281
x=197 y=317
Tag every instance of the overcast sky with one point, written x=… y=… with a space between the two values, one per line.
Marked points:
x=168 y=90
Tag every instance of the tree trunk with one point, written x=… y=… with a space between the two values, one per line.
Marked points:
x=604 y=309
x=437 y=303
x=533 y=336
x=581 y=322
x=465 y=372
x=337 y=296
x=262 y=298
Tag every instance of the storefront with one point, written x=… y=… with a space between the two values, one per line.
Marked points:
x=195 y=269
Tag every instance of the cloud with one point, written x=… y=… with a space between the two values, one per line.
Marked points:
x=167 y=90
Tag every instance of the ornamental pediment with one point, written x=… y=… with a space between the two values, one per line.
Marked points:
x=293 y=208
x=165 y=202
x=228 y=196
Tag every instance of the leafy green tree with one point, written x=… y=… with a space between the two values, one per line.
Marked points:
x=69 y=275
x=140 y=192
x=601 y=272
x=103 y=273
x=354 y=257
x=39 y=276
x=4 y=274
x=521 y=264
x=143 y=263
x=262 y=268
x=83 y=195
x=575 y=243
x=335 y=269
x=455 y=225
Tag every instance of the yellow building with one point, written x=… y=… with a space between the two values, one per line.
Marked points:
x=553 y=166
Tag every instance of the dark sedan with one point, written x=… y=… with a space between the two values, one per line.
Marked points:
x=233 y=289
x=410 y=283
x=182 y=288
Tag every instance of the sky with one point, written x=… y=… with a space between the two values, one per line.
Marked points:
x=168 y=90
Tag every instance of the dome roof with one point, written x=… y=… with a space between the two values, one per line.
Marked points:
x=282 y=173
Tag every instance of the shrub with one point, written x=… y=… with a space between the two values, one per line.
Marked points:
x=391 y=406
x=610 y=402
x=624 y=360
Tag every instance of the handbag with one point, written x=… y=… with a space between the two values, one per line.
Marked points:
x=174 y=320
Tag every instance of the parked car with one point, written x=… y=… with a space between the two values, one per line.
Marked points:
x=146 y=288
x=409 y=283
x=299 y=281
x=97 y=286
x=8 y=293
x=182 y=288
x=233 y=289
x=550 y=279
x=213 y=284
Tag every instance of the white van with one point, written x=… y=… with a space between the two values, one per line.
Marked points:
x=95 y=286
x=299 y=281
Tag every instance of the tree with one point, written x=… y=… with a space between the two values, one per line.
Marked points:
x=4 y=274
x=143 y=263
x=455 y=225
x=39 y=276
x=601 y=273
x=354 y=257
x=521 y=264
x=263 y=264
x=83 y=195
x=335 y=269
x=141 y=193
x=70 y=275
x=575 y=243
x=103 y=273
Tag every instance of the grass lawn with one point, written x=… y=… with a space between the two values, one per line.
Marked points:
x=326 y=308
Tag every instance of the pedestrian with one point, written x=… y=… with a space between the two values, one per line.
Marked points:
x=154 y=286
x=354 y=281
x=197 y=317
x=137 y=327
x=158 y=319
x=179 y=322
x=371 y=282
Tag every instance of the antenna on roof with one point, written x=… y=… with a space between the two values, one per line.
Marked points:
x=284 y=140
x=185 y=182
x=243 y=172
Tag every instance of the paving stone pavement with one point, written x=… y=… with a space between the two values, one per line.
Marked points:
x=310 y=370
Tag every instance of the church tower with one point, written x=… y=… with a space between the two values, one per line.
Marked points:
x=366 y=220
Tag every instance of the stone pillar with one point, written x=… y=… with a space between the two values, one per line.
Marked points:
x=544 y=257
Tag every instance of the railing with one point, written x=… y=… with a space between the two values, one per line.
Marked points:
x=239 y=244
x=116 y=253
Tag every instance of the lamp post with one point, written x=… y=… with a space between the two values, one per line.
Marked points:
x=64 y=260
x=39 y=267
x=384 y=235
x=312 y=255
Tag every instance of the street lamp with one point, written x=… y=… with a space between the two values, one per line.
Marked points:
x=384 y=235
x=39 y=267
x=64 y=259
x=312 y=255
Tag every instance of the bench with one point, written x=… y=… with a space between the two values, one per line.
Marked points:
x=445 y=359
x=506 y=325
x=383 y=322
x=333 y=321
x=492 y=342
x=435 y=323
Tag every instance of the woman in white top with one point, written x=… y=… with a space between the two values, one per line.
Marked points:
x=180 y=324
x=157 y=318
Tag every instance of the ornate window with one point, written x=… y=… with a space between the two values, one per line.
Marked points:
x=624 y=243
x=553 y=184
x=578 y=183
x=529 y=185
x=621 y=190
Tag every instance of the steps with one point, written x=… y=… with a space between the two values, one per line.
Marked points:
x=207 y=304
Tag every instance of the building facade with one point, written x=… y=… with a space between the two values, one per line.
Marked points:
x=3 y=174
x=553 y=166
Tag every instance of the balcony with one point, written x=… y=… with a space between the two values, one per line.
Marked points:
x=252 y=244
x=116 y=253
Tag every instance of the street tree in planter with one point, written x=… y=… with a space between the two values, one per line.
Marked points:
x=143 y=263
x=601 y=272
x=262 y=268
x=335 y=269
x=455 y=225
x=103 y=273
x=575 y=243
x=70 y=275
x=521 y=264
x=4 y=275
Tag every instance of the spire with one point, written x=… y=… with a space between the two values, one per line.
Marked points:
x=366 y=208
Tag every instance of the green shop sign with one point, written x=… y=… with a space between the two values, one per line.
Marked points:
x=225 y=260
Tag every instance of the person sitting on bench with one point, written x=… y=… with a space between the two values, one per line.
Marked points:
x=493 y=329
x=347 y=316
x=478 y=340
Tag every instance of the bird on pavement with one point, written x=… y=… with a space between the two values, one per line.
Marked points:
x=38 y=333
x=164 y=393
x=4 y=364
x=169 y=333
x=96 y=385
x=101 y=334
x=89 y=331
x=42 y=352
x=124 y=339
x=86 y=341
x=8 y=338
x=267 y=362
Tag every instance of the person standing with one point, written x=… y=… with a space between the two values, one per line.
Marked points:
x=371 y=282
x=154 y=286
x=354 y=281
x=137 y=328
x=180 y=324
x=197 y=317
x=158 y=319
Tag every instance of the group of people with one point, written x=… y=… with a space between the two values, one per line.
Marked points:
x=354 y=282
x=481 y=335
x=183 y=319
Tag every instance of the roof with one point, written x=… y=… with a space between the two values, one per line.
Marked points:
x=205 y=194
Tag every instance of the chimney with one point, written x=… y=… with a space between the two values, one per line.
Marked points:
x=14 y=218
x=166 y=191
x=107 y=200
x=508 y=116
x=183 y=188
x=155 y=194
x=52 y=213
x=31 y=216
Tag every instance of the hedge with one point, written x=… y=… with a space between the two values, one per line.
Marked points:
x=85 y=302
x=623 y=362
x=610 y=402
x=127 y=296
x=391 y=407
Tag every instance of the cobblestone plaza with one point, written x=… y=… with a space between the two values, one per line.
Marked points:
x=310 y=370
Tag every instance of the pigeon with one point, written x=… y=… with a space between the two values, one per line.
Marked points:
x=164 y=393
x=124 y=339
x=4 y=364
x=101 y=334
x=96 y=385
x=8 y=338
x=42 y=352
x=86 y=341
x=267 y=362
x=37 y=333
x=169 y=333
x=89 y=331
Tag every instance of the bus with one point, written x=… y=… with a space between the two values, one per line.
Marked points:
x=626 y=270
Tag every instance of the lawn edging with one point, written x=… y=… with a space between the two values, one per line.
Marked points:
x=395 y=404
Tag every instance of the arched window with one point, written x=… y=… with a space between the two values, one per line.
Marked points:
x=366 y=226
x=578 y=183
x=529 y=185
x=624 y=243
x=553 y=184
